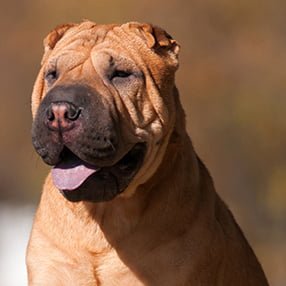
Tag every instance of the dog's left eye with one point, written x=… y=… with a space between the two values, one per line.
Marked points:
x=120 y=74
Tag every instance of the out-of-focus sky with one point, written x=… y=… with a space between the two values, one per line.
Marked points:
x=232 y=82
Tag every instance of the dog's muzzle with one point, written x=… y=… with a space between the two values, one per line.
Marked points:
x=75 y=133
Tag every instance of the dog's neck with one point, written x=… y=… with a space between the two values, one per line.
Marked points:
x=176 y=182
x=132 y=227
x=155 y=199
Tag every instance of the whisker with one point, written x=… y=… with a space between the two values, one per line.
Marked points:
x=111 y=144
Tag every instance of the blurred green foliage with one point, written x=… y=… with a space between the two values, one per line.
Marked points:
x=232 y=82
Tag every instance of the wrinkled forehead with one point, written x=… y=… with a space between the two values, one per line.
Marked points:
x=133 y=46
x=88 y=38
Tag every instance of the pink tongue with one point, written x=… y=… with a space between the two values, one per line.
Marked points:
x=70 y=175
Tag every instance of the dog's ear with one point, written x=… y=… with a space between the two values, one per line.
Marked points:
x=160 y=41
x=53 y=37
x=158 y=38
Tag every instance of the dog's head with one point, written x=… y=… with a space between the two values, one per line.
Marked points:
x=103 y=106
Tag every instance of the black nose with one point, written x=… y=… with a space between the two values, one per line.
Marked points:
x=62 y=116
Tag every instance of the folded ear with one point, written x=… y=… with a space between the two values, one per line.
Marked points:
x=160 y=41
x=159 y=38
x=53 y=37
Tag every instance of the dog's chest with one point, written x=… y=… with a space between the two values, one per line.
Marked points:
x=111 y=270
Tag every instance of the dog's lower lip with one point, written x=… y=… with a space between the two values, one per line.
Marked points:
x=71 y=172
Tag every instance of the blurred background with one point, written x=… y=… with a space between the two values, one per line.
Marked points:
x=232 y=81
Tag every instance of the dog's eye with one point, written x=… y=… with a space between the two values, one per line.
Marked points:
x=51 y=76
x=120 y=74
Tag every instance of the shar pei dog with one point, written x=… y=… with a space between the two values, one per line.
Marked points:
x=127 y=201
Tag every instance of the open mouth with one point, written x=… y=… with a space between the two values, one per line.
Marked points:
x=81 y=181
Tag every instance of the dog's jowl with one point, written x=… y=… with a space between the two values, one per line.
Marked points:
x=127 y=201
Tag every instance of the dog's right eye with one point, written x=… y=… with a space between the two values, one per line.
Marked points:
x=51 y=76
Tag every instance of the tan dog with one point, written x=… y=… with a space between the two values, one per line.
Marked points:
x=128 y=201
